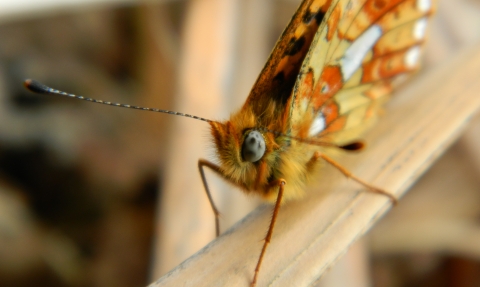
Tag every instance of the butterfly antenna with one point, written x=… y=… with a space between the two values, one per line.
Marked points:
x=353 y=146
x=39 y=88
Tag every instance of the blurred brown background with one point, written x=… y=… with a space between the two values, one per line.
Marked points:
x=97 y=196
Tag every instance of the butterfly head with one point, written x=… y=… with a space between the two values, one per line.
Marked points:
x=238 y=144
x=244 y=151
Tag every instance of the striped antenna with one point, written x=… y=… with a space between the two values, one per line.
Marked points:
x=353 y=146
x=39 y=88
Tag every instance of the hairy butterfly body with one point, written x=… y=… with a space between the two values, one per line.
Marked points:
x=334 y=65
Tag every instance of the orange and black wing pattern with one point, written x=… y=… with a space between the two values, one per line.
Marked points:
x=360 y=51
x=273 y=88
x=335 y=63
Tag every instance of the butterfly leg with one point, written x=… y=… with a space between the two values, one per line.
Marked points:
x=201 y=164
x=280 y=183
x=317 y=155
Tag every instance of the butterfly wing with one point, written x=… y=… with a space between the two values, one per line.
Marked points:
x=361 y=50
x=273 y=88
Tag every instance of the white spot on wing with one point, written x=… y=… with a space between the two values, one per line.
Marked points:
x=424 y=5
x=412 y=56
x=419 y=29
x=317 y=126
x=357 y=51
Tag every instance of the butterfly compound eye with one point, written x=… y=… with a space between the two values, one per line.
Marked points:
x=253 y=147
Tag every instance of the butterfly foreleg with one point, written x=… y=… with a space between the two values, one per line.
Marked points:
x=201 y=164
x=280 y=183
x=317 y=155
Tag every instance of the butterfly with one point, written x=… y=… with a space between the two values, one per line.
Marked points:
x=329 y=74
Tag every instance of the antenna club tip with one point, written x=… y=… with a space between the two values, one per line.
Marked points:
x=354 y=146
x=27 y=83
x=35 y=87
